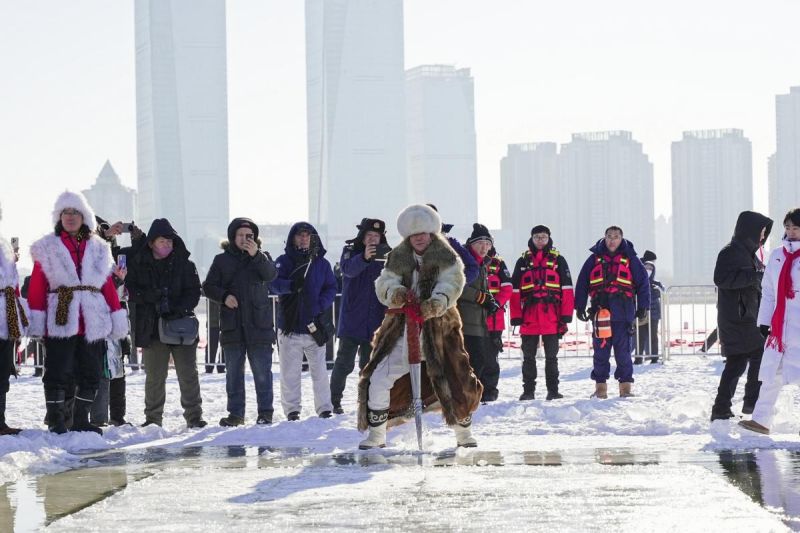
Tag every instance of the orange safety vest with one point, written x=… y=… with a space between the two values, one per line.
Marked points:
x=619 y=269
x=541 y=283
x=492 y=272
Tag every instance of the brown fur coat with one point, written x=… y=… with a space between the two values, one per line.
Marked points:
x=451 y=385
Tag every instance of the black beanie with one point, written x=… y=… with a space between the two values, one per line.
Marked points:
x=540 y=229
x=479 y=232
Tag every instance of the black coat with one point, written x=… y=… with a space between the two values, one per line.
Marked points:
x=247 y=278
x=737 y=276
x=146 y=281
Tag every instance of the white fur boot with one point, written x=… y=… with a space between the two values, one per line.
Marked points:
x=375 y=439
x=464 y=436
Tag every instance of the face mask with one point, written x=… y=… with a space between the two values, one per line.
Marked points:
x=162 y=251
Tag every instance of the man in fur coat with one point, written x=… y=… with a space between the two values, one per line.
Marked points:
x=74 y=307
x=423 y=268
x=13 y=325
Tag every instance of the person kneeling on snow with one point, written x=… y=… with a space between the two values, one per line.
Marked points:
x=424 y=268
x=779 y=322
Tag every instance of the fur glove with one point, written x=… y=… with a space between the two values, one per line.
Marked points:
x=432 y=308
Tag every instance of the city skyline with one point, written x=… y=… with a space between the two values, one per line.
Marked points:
x=583 y=79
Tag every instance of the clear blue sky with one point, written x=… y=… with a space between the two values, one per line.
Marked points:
x=542 y=71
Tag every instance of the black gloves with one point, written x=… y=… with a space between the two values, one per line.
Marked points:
x=641 y=313
x=516 y=321
x=298 y=283
x=582 y=315
x=566 y=319
x=765 y=330
x=490 y=304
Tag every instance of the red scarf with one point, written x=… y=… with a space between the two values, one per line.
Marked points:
x=413 y=322
x=785 y=292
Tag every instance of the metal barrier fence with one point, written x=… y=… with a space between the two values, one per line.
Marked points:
x=690 y=323
x=688 y=319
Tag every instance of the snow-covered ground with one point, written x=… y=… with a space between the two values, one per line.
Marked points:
x=663 y=435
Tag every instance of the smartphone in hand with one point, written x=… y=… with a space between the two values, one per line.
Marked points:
x=122 y=261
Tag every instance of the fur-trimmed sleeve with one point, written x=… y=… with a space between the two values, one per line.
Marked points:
x=449 y=284
x=386 y=285
x=119 y=324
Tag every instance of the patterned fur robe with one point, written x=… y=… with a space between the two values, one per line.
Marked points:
x=9 y=278
x=451 y=384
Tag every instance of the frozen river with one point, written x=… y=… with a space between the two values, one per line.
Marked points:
x=244 y=488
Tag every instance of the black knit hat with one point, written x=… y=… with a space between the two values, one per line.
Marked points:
x=540 y=229
x=648 y=256
x=480 y=232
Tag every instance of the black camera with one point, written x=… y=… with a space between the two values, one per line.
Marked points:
x=381 y=251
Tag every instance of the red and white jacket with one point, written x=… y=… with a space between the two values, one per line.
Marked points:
x=62 y=261
x=500 y=287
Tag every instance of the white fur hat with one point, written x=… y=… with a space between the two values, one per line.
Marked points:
x=77 y=201
x=418 y=219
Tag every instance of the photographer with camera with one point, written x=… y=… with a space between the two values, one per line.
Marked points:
x=361 y=312
x=239 y=280
x=307 y=287
x=164 y=288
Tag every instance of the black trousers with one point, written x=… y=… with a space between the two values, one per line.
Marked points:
x=735 y=365
x=73 y=361
x=477 y=349
x=648 y=338
x=491 y=366
x=212 y=349
x=530 y=343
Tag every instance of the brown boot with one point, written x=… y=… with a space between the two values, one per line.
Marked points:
x=600 y=391
x=625 y=390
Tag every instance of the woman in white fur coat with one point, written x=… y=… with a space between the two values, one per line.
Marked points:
x=779 y=321
x=13 y=325
x=74 y=307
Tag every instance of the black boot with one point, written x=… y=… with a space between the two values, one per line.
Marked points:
x=528 y=394
x=80 y=421
x=55 y=411
x=69 y=409
x=117 y=401
x=4 y=429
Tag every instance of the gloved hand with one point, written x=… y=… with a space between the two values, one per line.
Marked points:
x=431 y=308
x=490 y=304
x=582 y=315
x=399 y=297
x=516 y=321
x=297 y=283
x=566 y=319
x=765 y=330
x=641 y=313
